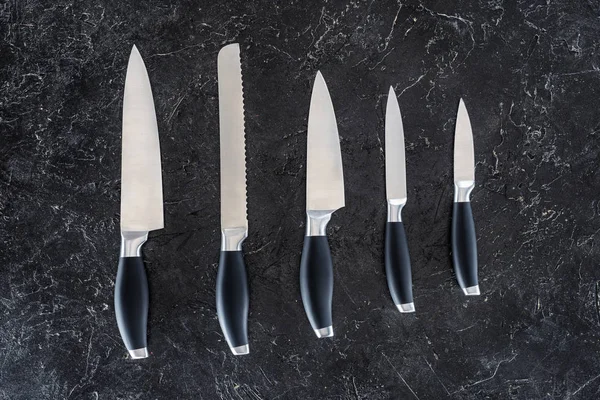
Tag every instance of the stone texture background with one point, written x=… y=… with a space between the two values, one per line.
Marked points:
x=529 y=72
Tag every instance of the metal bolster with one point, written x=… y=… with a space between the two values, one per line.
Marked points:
x=316 y=222
x=131 y=243
x=232 y=238
x=462 y=191
x=395 y=209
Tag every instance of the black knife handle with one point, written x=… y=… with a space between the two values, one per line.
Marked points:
x=464 y=245
x=233 y=299
x=397 y=264
x=131 y=302
x=316 y=282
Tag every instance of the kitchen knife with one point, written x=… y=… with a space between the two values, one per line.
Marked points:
x=324 y=195
x=464 y=241
x=397 y=259
x=232 y=283
x=141 y=204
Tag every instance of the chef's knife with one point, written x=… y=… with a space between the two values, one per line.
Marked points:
x=397 y=259
x=464 y=241
x=232 y=284
x=141 y=204
x=324 y=195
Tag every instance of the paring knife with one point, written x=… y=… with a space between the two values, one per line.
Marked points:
x=141 y=204
x=464 y=241
x=232 y=282
x=397 y=259
x=324 y=195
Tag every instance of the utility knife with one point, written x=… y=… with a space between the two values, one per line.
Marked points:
x=232 y=281
x=397 y=259
x=464 y=241
x=141 y=204
x=324 y=195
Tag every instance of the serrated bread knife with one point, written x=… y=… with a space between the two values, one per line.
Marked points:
x=141 y=204
x=464 y=241
x=397 y=259
x=324 y=195
x=232 y=282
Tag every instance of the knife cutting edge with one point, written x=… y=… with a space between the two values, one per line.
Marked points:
x=464 y=240
x=232 y=282
x=324 y=195
x=141 y=204
x=397 y=259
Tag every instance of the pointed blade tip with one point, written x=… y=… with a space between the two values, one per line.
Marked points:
x=135 y=53
x=319 y=78
x=462 y=110
x=320 y=89
x=392 y=104
x=135 y=60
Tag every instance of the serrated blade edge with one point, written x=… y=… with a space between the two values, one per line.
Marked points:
x=232 y=138
x=141 y=178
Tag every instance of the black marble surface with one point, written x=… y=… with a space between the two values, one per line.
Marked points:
x=529 y=72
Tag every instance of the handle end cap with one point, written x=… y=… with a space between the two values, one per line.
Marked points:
x=240 y=350
x=324 y=332
x=471 y=291
x=406 y=307
x=136 y=354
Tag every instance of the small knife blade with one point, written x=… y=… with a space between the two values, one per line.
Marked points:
x=464 y=240
x=141 y=204
x=464 y=154
x=232 y=296
x=395 y=160
x=397 y=258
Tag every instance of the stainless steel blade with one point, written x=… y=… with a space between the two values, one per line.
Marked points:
x=233 y=144
x=464 y=155
x=395 y=161
x=141 y=179
x=324 y=176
